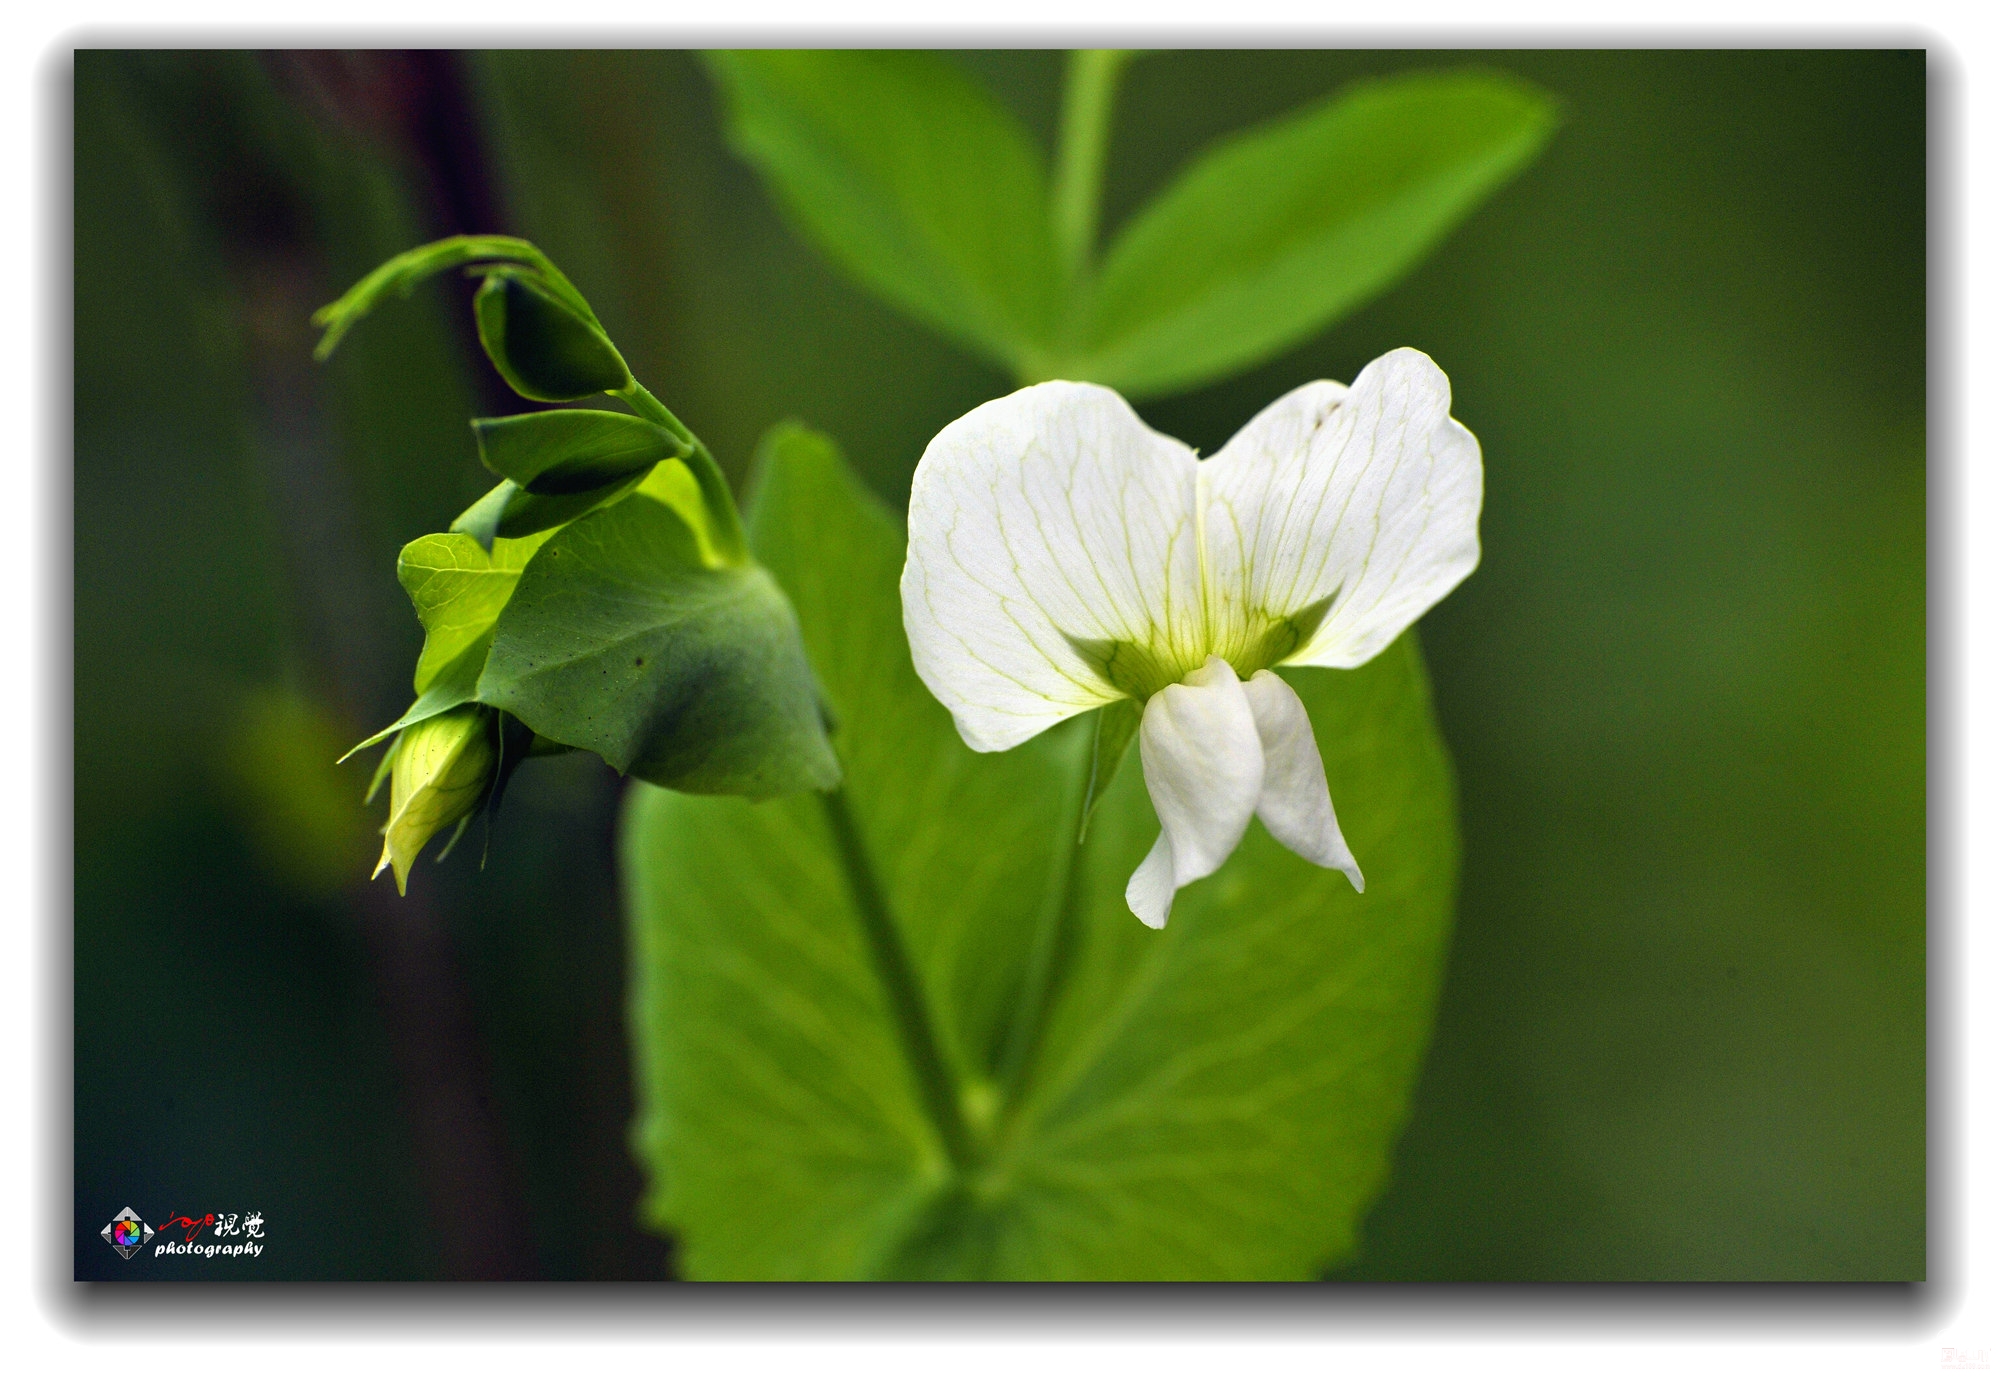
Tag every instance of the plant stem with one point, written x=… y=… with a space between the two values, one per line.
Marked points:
x=1088 y=90
x=905 y=994
x=727 y=533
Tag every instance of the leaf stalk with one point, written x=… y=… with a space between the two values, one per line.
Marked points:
x=727 y=534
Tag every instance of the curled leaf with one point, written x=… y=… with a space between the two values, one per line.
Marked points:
x=509 y=510
x=568 y=451
x=546 y=348
x=399 y=275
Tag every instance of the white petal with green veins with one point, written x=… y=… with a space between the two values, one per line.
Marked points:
x=1368 y=495
x=1063 y=556
x=1043 y=518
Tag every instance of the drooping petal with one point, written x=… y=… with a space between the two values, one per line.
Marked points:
x=1150 y=891
x=1294 y=805
x=1204 y=767
x=1367 y=497
x=1043 y=525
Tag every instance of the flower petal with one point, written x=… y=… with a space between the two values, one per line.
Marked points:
x=1294 y=805
x=1367 y=497
x=1048 y=518
x=1204 y=766
x=1150 y=891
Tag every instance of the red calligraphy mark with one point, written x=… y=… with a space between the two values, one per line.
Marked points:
x=189 y=1226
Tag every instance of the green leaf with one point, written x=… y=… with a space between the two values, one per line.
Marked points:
x=671 y=482
x=564 y=452
x=509 y=510
x=459 y=590
x=1276 y=231
x=913 y=179
x=1213 y=1101
x=546 y=348
x=622 y=640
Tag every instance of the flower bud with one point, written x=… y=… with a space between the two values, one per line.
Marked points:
x=439 y=773
x=547 y=348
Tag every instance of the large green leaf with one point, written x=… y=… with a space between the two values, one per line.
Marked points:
x=1275 y=231
x=621 y=639
x=913 y=178
x=1214 y=1100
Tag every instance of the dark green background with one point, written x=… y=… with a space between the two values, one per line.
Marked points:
x=1682 y=1035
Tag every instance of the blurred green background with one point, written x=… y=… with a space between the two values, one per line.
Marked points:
x=1682 y=1033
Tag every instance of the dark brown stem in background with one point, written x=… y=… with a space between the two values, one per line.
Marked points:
x=478 y=1210
x=477 y=1204
x=472 y=1185
x=417 y=105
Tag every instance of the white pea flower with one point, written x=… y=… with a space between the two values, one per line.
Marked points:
x=1065 y=556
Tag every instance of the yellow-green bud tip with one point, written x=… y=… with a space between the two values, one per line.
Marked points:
x=438 y=776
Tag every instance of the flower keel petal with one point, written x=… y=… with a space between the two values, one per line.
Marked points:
x=1150 y=891
x=1204 y=767
x=1295 y=805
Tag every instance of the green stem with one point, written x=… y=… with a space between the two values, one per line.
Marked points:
x=1089 y=88
x=890 y=955
x=726 y=535
x=1048 y=964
